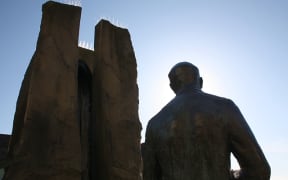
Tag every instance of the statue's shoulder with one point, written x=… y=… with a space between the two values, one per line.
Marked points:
x=163 y=115
x=218 y=99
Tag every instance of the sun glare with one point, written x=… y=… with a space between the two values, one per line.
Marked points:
x=211 y=82
x=166 y=93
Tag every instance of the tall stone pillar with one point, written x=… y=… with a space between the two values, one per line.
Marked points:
x=116 y=105
x=77 y=110
x=45 y=142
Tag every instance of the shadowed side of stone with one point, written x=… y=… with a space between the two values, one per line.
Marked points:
x=45 y=142
x=4 y=142
x=116 y=111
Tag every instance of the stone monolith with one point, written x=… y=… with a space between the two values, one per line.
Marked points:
x=77 y=111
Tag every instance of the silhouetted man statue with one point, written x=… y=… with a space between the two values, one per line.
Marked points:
x=193 y=136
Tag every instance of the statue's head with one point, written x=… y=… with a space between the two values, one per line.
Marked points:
x=182 y=74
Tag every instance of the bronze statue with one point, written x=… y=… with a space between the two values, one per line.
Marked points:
x=193 y=136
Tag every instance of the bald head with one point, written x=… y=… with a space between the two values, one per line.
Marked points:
x=182 y=74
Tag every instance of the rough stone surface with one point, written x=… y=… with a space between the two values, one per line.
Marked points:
x=45 y=141
x=115 y=77
x=77 y=110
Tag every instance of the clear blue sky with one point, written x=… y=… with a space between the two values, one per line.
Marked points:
x=240 y=47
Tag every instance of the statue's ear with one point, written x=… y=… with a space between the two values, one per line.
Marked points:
x=175 y=85
x=201 y=82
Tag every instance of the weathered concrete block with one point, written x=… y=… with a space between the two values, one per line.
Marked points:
x=115 y=77
x=77 y=110
x=45 y=142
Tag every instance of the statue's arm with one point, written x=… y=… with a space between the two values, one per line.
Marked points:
x=245 y=148
x=149 y=156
